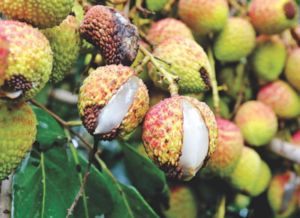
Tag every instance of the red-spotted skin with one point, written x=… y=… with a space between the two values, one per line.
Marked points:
x=292 y=68
x=4 y=52
x=296 y=138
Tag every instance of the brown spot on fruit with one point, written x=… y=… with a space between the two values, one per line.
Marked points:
x=204 y=75
x=290 y=10
x=17 y=82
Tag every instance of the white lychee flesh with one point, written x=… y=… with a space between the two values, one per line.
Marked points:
x=116 y=109
x=13 y=94
x=195 y=141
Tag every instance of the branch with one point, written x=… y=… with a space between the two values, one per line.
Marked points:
x=5 y=197
x=285 y=149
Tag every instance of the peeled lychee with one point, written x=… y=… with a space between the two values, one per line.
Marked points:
x=4 y=52
x=257 y=121
x=263 y=180
x=282 y=98
x=292 y=72
x=180 y=136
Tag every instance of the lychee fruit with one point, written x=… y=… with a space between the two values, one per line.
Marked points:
x=156 y=5
x=235 y=41
x=111 y=32
x=296 y=138
x=187 y=60
x=273 y=16
x=17 y=134
x=30 y=62
x=168 y=27
x=263 y=180
x=41 y=14
x=65 y=42
x=292 y=72
x=268 y=57
x=204 y=16
x=112 y=102
x=180 y=136
x=257 y=121
x=282 y=98
x=241 y=201
x=4 y=52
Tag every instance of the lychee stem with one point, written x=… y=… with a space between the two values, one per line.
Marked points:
x=172 y=80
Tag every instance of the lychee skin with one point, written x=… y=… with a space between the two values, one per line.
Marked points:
x=168 y=27
x=41 y=14
x=257 y=121
x=235 y=41
x=282 y=98
x=273 y=16
x=188 y=61
x=229 y=149
x=263 y=180
x=204 y=16
x=4 y=52
x=96 y=91
x=296 y=138
x=292 y=68
x=17 y=134
x=30 y=67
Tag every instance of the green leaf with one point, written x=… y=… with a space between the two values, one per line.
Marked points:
x=48 y=130
x=46 y=183
x=144 y=175
x=128 y=203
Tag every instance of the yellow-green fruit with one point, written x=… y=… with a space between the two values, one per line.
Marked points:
x=263 y=180
x=279 y=185
x=273 y=16
x=224 y=108
x=30 y=62
x=292 y=72
x=156 y=5
x=65 y=42
x=183 y=203
x=268 y=58
x=241 y=201
x=4 y=52
x=235 y=41
x=112 y=102
x=168 y=27
x=204 y=16
x=41 y=14
x=17 y=134
x=282 y=98
x=257 y=121
x=189 y=61
x=246 y=171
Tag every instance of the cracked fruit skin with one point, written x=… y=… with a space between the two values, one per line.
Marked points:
x=268 y=57
x=30 y=67
x=4 y=52
x=17 y=134
x=99 y=87
x=273 y=16
x=229 y=149
x=204 y=16
x=263 y=180
x=65 y=42
x=257 y=121
x=168 y=27
x=292 y=72
x=41 y=14
x=235 y=41
x=163 y=134
x=189 y=61
x=282 y=98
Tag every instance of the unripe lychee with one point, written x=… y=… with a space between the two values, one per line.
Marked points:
x=263 y=180
x=241 y=201
x=292 y=72
x=282 y=98
x=180 y=136
x=112 y=102
x=235 y=41
x=204 y=16
x=188 y=61
x=257 y=121
x=41 y=14
x=268 y=58
x=273 y=16
x=156 y=5
x=246 y=171
x=65 y=43
x=30 y=62
x=111 y=32
x=17 y=134
x=168 y=27
x=229 y=149
x=4 y=52
x=296 y=138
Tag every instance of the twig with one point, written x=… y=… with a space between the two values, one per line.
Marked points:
x=146 y=39
x=240 y=8
x=95 y=148
x=172 y=80
x=157 y=58
x=139 y=68
x=144 y=10
x=5 y=197
x=222 y=208
x=296 y=36
x=74 y=123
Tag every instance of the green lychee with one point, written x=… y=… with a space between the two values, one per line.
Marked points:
x=291 y=72
x=156 y=5
x=263 y=180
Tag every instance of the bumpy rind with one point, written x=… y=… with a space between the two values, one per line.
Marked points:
x=4 y=52
x=17 y=134
x=41 y=14
x=292 y=68
x=30 y=67
x=188 y=61
x=66 y=42
x=99 y=87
